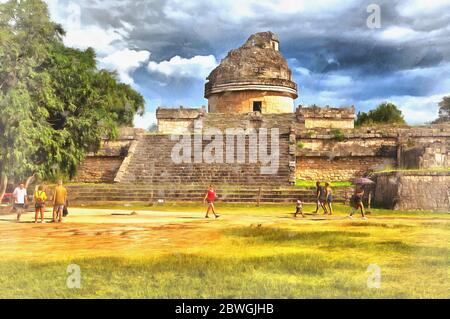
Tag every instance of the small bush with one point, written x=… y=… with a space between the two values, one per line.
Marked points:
x=338 y=135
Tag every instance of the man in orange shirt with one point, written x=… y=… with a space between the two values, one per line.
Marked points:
x=59 y=201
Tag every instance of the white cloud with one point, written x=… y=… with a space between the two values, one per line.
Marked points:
x=104 y=40
x=196 y=67
x=235 y=11
x=419 y=109
x=414 y=8
x=125 y=62
x=336 y=80
x=302 y=71
x=397 y=33
x=93 y=36
x=145 y=121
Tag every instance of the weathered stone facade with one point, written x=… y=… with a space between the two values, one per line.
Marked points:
x=413 y=190
x=104 y=165
x=254 y=77
x=250 y=91
x=242 y=102
x=430 y=155
x=335 y=118
x=177 y=121
x=340 y=168
x=99 y=169
x=153 y=163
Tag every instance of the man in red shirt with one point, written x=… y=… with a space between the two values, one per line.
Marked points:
x=210 y=197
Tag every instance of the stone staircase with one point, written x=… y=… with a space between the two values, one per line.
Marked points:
x=150 y=163
x=117 y=193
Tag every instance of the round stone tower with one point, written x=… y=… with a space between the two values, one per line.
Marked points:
x=254 y=77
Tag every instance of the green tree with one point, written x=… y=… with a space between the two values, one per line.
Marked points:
x=385 y=113
x=55 y=105
x=153 y=128
x=444 y=110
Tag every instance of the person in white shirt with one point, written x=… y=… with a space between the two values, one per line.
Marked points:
x=20 y=200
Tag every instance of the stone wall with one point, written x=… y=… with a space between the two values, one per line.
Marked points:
x=329 y=123
x=327 y=117
x=340 y=168
x=175 y=126
x=431 y=155
x=413 y=191
x=98 y=169
x=242 y=102
x=177 y=120
x=102 y=166
x=153 y=163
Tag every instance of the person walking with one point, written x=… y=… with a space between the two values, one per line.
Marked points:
x=39 y=203
x=299 y=208
x=329 y=197
x=320 y=198
x=20 y=200
x=59 y=201
x=357 y=200
x=210 y=197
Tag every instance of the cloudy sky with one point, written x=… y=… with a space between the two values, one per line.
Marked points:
x=166 y=48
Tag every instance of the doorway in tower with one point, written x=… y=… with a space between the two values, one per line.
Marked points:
x=257 y=106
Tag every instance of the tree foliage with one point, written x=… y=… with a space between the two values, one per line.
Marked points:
x=385 y=113
x=444 y=110
x=55 y=105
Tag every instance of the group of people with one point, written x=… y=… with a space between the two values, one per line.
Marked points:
x=59 y=202
x=324 y=199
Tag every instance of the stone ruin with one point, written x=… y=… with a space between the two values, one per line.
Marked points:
x=254 y=77
x=252 y=88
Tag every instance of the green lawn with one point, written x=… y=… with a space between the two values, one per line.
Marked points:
x=309 y=183
x=280 y=258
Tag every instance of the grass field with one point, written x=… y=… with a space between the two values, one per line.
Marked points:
x=309 y=183
x=249 y=252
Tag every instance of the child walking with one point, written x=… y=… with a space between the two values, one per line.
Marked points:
x=299 y=208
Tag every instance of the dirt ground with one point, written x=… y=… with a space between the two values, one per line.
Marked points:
x=88 y=232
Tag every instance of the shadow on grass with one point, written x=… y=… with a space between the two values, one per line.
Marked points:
x=376 y=224
x=333 y=241
x=173 y=276
x=296 y=275
x=280 y=235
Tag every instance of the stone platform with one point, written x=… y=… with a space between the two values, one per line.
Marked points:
x=126 y=193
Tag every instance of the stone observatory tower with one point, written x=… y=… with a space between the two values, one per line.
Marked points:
x=252 y=78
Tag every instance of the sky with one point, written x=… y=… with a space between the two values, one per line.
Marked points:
x=165 y=49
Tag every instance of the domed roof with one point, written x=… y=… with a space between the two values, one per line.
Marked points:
x=258 y=63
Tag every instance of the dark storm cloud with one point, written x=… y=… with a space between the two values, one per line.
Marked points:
x=332 y=42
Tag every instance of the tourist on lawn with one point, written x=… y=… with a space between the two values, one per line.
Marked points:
x=20 y=200
x=329 y=197
x=299 y=208
x=59 y=201
x=39 y=203
x=210 y=197
x=321 y=198
x=357 y=201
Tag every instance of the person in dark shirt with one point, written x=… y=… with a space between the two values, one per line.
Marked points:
x=321 y=198
x=357 y=201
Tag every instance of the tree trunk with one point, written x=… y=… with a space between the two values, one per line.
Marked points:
x=29 y=180
x=3 y=184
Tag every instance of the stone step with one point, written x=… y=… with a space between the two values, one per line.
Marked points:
x=128 y=193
